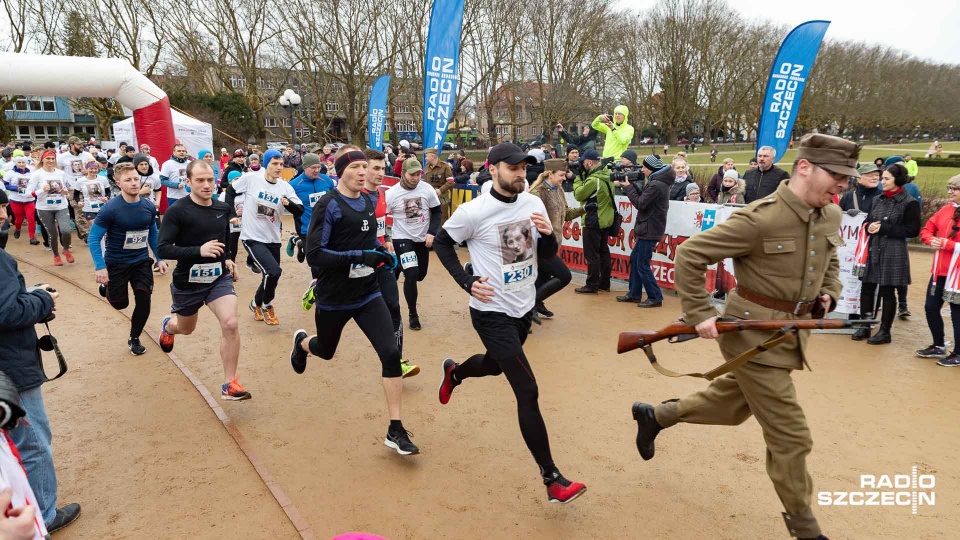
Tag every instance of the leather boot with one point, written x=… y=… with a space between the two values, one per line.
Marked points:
x=882 y=337
x=862 y=332
x=647 y=429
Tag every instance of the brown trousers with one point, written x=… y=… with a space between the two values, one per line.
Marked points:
x=768 y=394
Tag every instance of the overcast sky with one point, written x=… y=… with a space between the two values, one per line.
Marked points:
x=928 y=29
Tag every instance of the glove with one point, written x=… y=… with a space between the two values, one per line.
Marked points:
x=392 y=261
x=853 y=212
x=373 y=258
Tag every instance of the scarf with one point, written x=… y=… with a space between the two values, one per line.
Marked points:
x=178 y=160
x=680 y=179
x=893 y=193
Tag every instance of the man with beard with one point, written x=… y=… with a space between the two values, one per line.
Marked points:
x=173 y=174
x=436 y=174
x=595 y=192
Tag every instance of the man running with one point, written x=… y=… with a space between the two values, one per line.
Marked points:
x=266 y=197
x=416 y=219
x=173 y=174
x=194 y=233
x=343 y=250
x=128 y=224
x=506 y=232
x=309 y=186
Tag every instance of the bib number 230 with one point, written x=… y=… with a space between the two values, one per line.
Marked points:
x=516 y=276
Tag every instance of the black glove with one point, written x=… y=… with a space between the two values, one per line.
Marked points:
x=853 y=212
x=373 y=258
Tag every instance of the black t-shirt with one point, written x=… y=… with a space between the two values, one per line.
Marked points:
x=187 y=226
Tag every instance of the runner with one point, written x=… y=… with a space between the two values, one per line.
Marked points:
x=173 y=174
x=22 y=202
x=93 y=190
x=411 y=202
x=150 y=184
x=128 y=225
x=194 y=233
x=343 y=249
x=310 y=185
x=50 y=185
x=72 y=161
x=267 y=195
x=234 y=244
x=507 y=232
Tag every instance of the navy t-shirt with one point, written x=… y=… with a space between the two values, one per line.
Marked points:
x=128 y=227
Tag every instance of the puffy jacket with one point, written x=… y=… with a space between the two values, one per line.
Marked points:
x=617 y=139
x=940 y=225
x=733 y=195
x=864 y=198
x=678 y=190
x=759 y=183
x=716 y=181
x=652 y=204
x=595 y=186
x=19 y=312
x=912 y=168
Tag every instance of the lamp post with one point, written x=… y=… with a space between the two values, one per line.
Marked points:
x=290 y=100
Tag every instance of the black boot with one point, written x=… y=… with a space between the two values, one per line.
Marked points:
x=862 y=332
x=647 y=429
x=882 y=337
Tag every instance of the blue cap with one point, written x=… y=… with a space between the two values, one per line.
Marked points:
x=590 y=154
x=269 y=155
x=891 y=160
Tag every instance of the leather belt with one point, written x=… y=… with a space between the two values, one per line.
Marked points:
x=796 y=308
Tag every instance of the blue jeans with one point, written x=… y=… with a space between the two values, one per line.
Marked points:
x=641 y=275
x=33 y=442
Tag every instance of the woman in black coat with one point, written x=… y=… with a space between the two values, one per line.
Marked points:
x=894 y=218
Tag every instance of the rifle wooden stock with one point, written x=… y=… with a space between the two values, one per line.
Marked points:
x=677 y=332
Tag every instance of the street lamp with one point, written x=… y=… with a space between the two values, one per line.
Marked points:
x=290 y=100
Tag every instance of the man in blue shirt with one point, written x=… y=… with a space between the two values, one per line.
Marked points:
x=310 y=185
x=128 y=225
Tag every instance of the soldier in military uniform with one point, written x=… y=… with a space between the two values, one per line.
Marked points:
x=436 y=175
x=784 y=256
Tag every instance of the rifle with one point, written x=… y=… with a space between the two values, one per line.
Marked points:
x=679 y=332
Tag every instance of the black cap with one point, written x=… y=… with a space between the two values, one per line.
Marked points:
x=510 y=153
x=591 y=154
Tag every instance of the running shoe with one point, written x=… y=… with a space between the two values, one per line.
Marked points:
x=136 y=348
x=415 y=322
x=34 y=242
x=57 y=261
x=298 y=356
x=102 y=289
x=16 y=234
x=561 y=490
x=400 y=441
x=253 y=268
x=270 y=316
x=535 y=317
x=543 y=311
x=307 y=299
x=257 y=312
x=951 y=361
x=408 y=369
x=933 y=352
x=166 y=340
x=233 y=391
x=68 y=256
x=301 y=253
x=290 y=246
x=447 y=383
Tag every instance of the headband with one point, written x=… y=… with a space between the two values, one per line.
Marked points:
x=346 y=159
x=50 y=153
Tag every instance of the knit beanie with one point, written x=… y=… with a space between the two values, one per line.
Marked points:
x=310 y=160
x=233 y=175
x=200 y=154
x=691 y=187
x=631 y=155
x=732 y=173
x=891 y=160
x=269 y=155
x=653 y=163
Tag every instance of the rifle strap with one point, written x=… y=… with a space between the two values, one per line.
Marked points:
x=781 y=336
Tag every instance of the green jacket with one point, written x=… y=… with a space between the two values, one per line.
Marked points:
x=596 y=184
x=617 y=139
x=912 y=168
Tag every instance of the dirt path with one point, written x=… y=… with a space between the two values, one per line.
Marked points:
x=872 y=410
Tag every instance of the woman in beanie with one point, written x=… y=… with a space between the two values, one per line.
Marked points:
x=894 y=218
x=941 y=233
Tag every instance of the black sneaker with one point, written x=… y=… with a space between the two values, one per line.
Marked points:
x=544 y=312
x=535 y=317
x=65 y=516
x=903 y=311
x=951 y=361
x=933 y=352
x=253 y=268
x=102 y=289
x=298 y=356
x=399 y=440
x=415 y=322
x=301 y=254
x=136 y=348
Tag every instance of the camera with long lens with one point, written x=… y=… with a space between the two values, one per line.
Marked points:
x=624 y=173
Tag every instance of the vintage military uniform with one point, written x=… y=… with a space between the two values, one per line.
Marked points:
x=436 y=176
x=784 y=258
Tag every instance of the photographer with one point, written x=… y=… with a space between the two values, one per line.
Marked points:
x=594 y=190
x=617 y=131
x=20 y=310
x=587 y=141
x=652 y=202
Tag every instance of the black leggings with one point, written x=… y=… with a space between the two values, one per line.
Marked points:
x=233 y=243
x=373 y=318
x=414 y=272
x=868 y=296
x=934 y=319
x=503 y=336
x=391 y=297
x=141 y=310
x=552 y=276
x=267 y=258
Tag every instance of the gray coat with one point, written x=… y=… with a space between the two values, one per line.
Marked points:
x=888 y=263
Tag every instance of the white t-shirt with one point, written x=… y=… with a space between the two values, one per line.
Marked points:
x=56 y=196
x=237 y=205
x=155 y=186
x=488 y=185
x=94 y=191
x=411 y=210
x=175 y=172
x=503 y=246
x=262 y=208
x=22 y=181
x=72 y=165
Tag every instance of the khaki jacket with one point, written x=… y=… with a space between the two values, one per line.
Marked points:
x=781 y=248
x=436 y=176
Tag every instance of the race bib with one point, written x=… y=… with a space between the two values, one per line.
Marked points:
x=268 y=206
x=135 y=240
x=381 y=226
x=518 y=275
x=22 y=189
x=314 y=197
x=408 y=260
x=95 y=205
x=235 y=228
x=359 y=271
x=205 y=273
x=54 y=200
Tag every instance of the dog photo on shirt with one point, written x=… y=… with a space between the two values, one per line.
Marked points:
x=516 y=241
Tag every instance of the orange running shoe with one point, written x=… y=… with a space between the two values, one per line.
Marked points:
x=270 y=316
x=57 y=261
x=166 y=340
x=257 y=312
x=68 y=256
x=234 y=391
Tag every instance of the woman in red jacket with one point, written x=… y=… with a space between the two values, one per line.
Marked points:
x=941 y=233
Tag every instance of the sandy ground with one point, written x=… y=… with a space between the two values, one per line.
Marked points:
x=159 y=463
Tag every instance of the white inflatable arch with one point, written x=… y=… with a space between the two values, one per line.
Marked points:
x=76 y=76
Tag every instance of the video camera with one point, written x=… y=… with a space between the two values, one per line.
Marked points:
x=624 y=173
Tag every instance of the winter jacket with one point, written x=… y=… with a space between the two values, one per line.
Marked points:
x=595 y=187
x=912 y=168
x=941 y=225
x=583 y=142
x=555 y=202
x=864 y=198
x=533 y=172
x=19 y=312
x=733 y=195
x=652 y=204
x=232 y=166
x=888 y=263
x=678 y=190
x=914 y=192
x=713 y=188
x=617 y=139
x=760 y=184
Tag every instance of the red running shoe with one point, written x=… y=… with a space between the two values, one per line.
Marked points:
x=447 y=384
x=561 y=490
x=68 y=256
x=166 y=340
x=57 y=261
